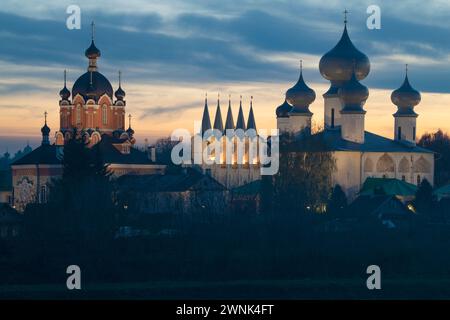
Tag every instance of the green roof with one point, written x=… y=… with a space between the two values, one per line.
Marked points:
x=250 y=188
x=442 y=192
x=388 y=186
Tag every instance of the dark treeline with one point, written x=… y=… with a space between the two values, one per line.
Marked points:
x=293 y=237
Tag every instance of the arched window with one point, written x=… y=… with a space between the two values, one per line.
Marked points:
x=78 y=114
x=368 y=165
x=332 y=118
x=385 y=164
x=403 y=178
x=43 y=194
x=399 y=133
x=404 y=166
x=105 y=114
x=120 y=122
x=418 y=179
x=414 y=133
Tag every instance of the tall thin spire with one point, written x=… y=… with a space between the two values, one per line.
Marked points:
x=129 y=120
x=92 y=30
x=206 y=121
x=65 y=77
x=120 y=78
x=345 y=16
x=251 y=123
x=229 y=123
x=218 y=123
x=240 y=124
x=45 y=130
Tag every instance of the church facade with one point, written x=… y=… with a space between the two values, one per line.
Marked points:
x=359 y=154
x=96 y=114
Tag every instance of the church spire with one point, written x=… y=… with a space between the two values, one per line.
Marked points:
x=206 y=121
x=92 y=53
x=229 y=123
x=130 y=131
x=240 y=124
x=64 y=93
x=218 y=123
x=251 y=123
x=45 y=130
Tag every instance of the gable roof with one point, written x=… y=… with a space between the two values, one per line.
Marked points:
x=113 y=156
x=44 y=154
x=383 y=206
x=191 y=179
x=389 y=186
x=47 y=154
x=251 y=188
x=331 y=140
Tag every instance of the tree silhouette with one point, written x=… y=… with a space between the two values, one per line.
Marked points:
x=424 y=198
x=337 y=204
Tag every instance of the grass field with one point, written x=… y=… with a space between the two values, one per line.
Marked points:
x=240 y=289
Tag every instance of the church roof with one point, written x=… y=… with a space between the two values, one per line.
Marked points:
x=388 y=186
x=191 y=179
x=331 y=140
x=47 y=154
x=112 y=155
x=44 y=154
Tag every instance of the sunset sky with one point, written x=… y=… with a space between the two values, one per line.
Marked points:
x=172 y=52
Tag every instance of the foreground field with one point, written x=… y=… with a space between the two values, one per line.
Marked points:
x=240 y=289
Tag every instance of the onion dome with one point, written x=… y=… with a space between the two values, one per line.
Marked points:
x=92 y=84
x=120 y=94
x=300 y=96
x=45 y=130
x=283 y=110
x=251 y=123
x=64 y=93
x=353 y=95
x=92 y=52
x=337 y=64
x=240 y=122
x=405 y=98
x=130 y=131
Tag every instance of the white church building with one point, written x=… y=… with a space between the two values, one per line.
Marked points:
x=359 y=154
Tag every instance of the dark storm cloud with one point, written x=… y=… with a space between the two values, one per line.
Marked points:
x=201 y=48
x=168 y=110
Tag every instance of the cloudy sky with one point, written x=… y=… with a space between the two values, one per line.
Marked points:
x=172 y=52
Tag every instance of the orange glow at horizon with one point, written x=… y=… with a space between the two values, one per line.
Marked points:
x=157 y=109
